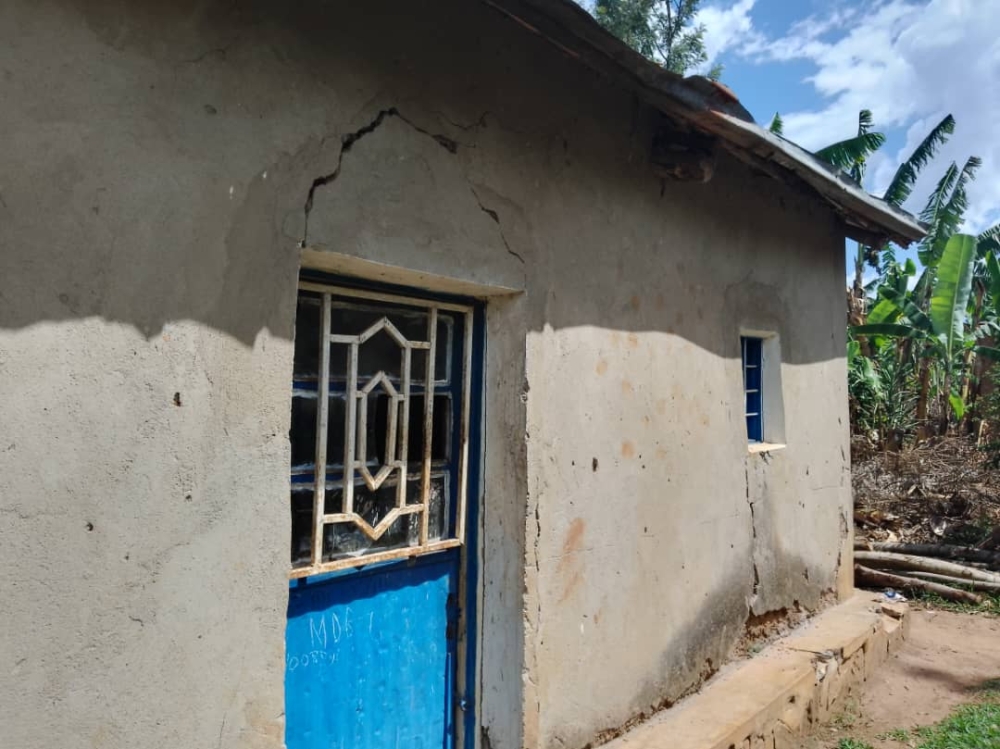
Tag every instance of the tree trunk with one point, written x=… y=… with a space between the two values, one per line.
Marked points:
x=980 y=383
x=856 y=312
x=948 y=580
x=866 y=576
x=888 y=560
x=967 y=361
x=924 y=377
x=946 y=402
x=940 y=551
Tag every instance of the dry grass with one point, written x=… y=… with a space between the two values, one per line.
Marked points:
x=943 y=491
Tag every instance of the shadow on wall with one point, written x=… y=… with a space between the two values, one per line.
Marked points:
x=163 y=174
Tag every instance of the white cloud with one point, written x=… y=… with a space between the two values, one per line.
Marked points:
x=911 y=63
x=726 y=28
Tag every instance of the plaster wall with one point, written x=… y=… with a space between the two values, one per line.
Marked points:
x=163 y=165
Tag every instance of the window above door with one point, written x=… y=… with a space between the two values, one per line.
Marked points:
x=380 y=425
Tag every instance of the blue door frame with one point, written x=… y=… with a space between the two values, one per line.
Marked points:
x=363 y=632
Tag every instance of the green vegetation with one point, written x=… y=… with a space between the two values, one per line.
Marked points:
x=989 y=605
x=665 y=31
x=897 y=734
x=848 y=715
x=969 y=727
x=973 y=726
x=990 y=690
x=920 y=341
x=853 y=744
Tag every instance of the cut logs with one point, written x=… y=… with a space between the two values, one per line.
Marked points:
x=908 y=562
x=922 y=568
x=946 y=580
x=876 y=578
x=939 y=551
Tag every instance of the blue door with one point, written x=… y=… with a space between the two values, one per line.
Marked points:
x=381 y=462
x=371 y=658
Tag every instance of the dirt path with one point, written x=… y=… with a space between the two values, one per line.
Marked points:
x=946 y=660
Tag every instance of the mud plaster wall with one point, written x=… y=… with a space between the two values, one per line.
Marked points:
x=656 y=535
x=153 y=193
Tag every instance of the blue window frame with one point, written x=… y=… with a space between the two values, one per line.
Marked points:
x=753 y=386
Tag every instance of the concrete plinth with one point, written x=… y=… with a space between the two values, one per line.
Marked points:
x=801 y=680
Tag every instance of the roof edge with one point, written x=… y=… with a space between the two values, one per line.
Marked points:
x=713 y=109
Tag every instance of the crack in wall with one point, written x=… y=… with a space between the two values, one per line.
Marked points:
x=347 y=143
x=496 y=218
x=538 y=602
x=753 y=540
x=844 y=534
x=479 y=122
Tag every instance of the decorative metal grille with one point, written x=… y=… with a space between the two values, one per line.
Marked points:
x=380 y=425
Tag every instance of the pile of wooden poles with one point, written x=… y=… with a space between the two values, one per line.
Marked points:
x=955 y=573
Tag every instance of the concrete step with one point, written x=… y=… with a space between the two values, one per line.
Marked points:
x=766 y=702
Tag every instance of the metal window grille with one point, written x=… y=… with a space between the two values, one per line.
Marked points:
x=753 y=390
x=380 y=427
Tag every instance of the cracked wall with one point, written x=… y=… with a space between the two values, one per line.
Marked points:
x=168 y=161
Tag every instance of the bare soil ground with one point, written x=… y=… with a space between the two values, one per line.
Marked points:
x=946 y=490
x=949 y=659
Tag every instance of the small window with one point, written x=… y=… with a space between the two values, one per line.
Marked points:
x=753 y=386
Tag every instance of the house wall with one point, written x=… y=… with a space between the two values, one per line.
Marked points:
x=154 y=192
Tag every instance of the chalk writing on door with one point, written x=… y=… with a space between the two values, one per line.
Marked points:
x=326 y=631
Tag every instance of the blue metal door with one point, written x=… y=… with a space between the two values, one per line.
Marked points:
x=381 y=470
x=370 y=659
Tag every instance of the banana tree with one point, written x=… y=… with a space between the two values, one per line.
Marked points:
x=882 y=401
x=905 y=178
x=852 y=156
x=945 y=209
x=944 y=212
x=940 y=335
x=901 y=187
x=984 y=310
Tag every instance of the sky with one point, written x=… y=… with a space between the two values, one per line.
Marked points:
x=911 y=62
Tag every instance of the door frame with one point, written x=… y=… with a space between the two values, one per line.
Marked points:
x=467 y=697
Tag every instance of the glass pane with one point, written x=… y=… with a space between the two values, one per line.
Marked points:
x=346 y=539
x=418 y=367
x=377 y=430
x=441 y=431
x=754 y=430
x=381 y=352
x=437 y=516
x=302 y=523
x=307 y=332
x=373 y=506
x=442 y=354
x=303 y=431
x=376 y=427
x=336 y=423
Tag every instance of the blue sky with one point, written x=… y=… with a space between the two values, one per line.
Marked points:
x=909 y=61
x=818 y=62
